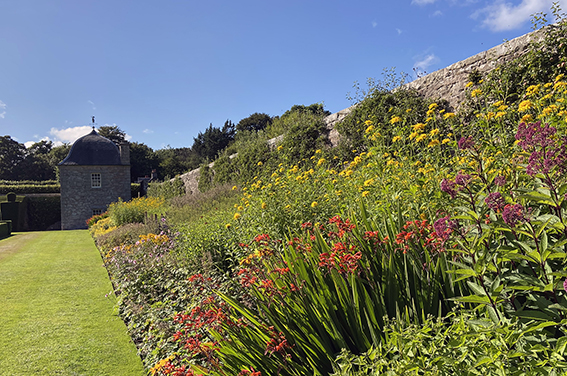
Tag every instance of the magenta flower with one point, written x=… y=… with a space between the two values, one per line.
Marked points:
x=513 y=214
x=495 y=201
x=500 y=181
x=463 y=179
x=466 y=143
x=448 y=186
x=444 y=227
x=565 y=285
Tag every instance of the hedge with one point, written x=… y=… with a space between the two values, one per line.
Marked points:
x=5 y=229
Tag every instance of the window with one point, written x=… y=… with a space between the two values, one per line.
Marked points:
x=95 y=181
x=98 y=211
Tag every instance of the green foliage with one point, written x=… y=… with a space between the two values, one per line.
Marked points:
x=255 y=122
x=328 y=290
x=29 y=188
x=213 y=140
x=43 y=211
x=307 y=133
x=113 y=133
x=168 y=189
x=206 y=176
x=460 y=344
x=5 y=229
x=135 y=211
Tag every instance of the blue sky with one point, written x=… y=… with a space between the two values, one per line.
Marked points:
x=164 y=70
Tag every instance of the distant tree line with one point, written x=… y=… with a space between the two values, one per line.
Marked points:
x=40 y=160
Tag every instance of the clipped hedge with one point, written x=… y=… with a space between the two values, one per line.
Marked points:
x=43 y=211
x=29 y=188
x=5 y=229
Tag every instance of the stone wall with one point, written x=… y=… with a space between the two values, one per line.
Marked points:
x=79 y=199
x=447 y=83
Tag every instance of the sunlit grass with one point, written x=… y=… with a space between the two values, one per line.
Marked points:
x=56 y=318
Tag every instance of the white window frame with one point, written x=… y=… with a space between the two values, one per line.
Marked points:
x=97 y=211
x=96 y=180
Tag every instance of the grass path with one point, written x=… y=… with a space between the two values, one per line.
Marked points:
x=54 y=316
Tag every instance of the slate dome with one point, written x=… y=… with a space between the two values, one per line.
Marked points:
x=93 y=149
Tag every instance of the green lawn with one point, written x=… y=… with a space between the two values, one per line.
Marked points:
x=54 y=316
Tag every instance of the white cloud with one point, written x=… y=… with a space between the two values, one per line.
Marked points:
x=423 y=2
x=502 y=16
x=71 y=134
x=92 y=104
x=437 y=13
x=147 y=131
x=399 y=31
x=374 y=23
x=2 y=107
x=426 y=62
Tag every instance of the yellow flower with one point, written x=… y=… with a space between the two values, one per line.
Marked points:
x=320 y=162
x=408 y=110
x=314 y=204
x=525 y=105
x=532 y=90
x=227 y=225
x=260 y=163
x=368 y=182
x=396 y=138
x=240 y=208
x=264 y=205
x=558 y=78
x=395 y=119
x=433 y=143
x=469 y=84
x=236 y=216
x=280 y=147
x=234 y=188
x=476 y=92
x=449 y=115
x=433 y=106
x=369 y=129
x=421 y=137
x=434 y=132
x=418 y=126
x=365 y=193
x=368 y=122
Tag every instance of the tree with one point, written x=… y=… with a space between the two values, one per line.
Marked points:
x=12 y=153
x=255 y=122
x=113 y=133
x=313 y=109
x=143 y=160
x=210 y=143
x=37 y=164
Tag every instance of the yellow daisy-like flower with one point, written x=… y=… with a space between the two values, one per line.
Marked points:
x=395 y=119
x=476 y=93
x=433 y=106
x=421 y=137
x=320 y=162
x=560 y=77
x=533 y=90
x=369 y=129
x=368 y=122
x=433 y=143
x=368 y=182
x=449 y=115
x=227 y=225
x=469 y=84
x=434 y=132
x=408 y=110
x=234 y=188
x=525 y=105
x=418 y=126
x=236 y=216
x=396 y=138
x=260 y=163
x=365 y=193
x=264 y=205
x=314 y=204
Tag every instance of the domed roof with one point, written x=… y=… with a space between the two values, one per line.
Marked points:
x=92 y=149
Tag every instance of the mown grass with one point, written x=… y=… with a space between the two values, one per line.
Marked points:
x=55 y=316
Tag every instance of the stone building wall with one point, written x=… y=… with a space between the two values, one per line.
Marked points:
x=79 y=199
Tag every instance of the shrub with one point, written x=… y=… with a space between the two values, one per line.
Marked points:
x=135 y=211
x=43 y=211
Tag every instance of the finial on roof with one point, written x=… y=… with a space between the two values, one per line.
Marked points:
x=93 y=119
